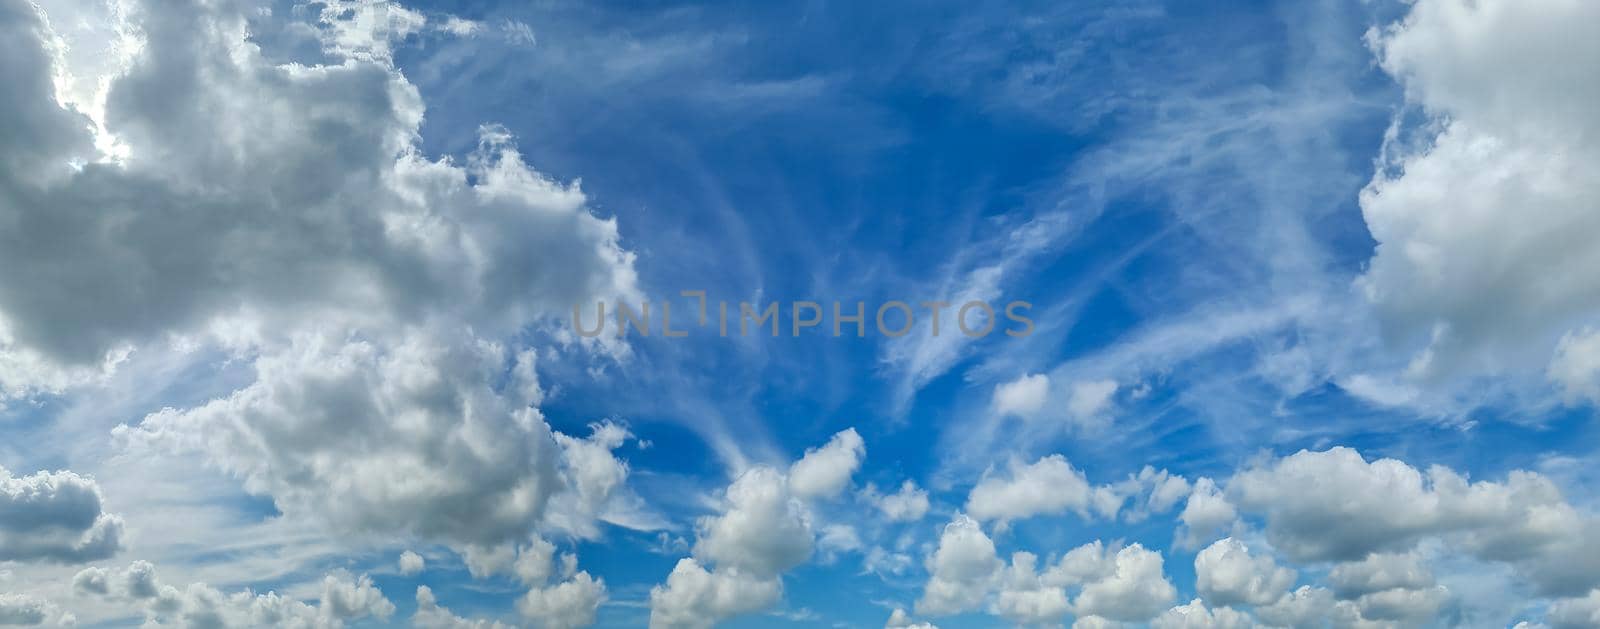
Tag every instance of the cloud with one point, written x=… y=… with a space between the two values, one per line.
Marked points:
x=55 y=517
x=1226 y=574
x=1023 y=396
x=908 y=504
x=1575 y=613
x=1088 y=400
x=567 y=605
x=284 y=215
x=430 y=615
x=1484 y=223
x=1205 y=516
x=1048 y=486
x=1336 y=506
x=899 y=619
x=1195 y=615
x=1136 y=589
x=824 y=472
x=411 y=563
x=1576 y=365
x=24 y=609
x=343 y=598
x=764 y=530
x=1025 y=599
x=369 y=437
x=961 y=569
x=1379 y=572
x=694 y=598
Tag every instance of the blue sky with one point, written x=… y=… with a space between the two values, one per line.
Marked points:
x=286 y=291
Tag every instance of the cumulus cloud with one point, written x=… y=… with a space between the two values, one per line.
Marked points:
x=1135 y=590
x=763 y=530
x=1379 y=572
x=1335 y=505
x=372 y=437
x=55 y=517
x=24 y=609
x=1576 y=365
x=284 y=214
x=1023 y=397
x=1195 y=615
x=1026 y=599
x=1048 y=486
x=1088 y=400
x=344 y=598
x=695 y=598
x=899 y=619
x=908 y=504
x=1226 y=574
x=824 y=472
x=1206 y=514
x=430 y=615
x=411 y=563
x=567 y=605
x=347 y=203
x=1575 y=613
x=1484 y=225
x=961 y=569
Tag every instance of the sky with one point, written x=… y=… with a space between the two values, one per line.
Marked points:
x=1093 y=314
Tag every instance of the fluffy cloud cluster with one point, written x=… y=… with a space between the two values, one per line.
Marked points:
x=908 y=504
x=344 y=598
x=1335 y=505
x=1032 y=397
x=27 y=610
x=1125 y=584
x=55 y=517
x=431 y=615
x=1226 y=574
x=1051 y=485
x=764 y=529
x=282 y=213
x=1485 y=224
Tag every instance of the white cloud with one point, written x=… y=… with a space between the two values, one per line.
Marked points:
x=899 y=619
x=1048 y=486
x=1379 y=572
x=1195 y=615
x=1576 y=366
x=1088 y=400
x=1023 y=396
x=430 y=615
x=1484 y=227
x=694 y=598
x=824 y=472
x=570 y=604
x=343 y=598
x=764 y=530
x=1226 y=575
x=24 y=609
x=1575 y=613
x=440 y=452
x=960 y=571
x=55 y=517
x=1136 y=590
x=1334 y=505
x=367 y=287
x=1026 y=599
x=1206 y=515
x=908 y=504
x=411 y=563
